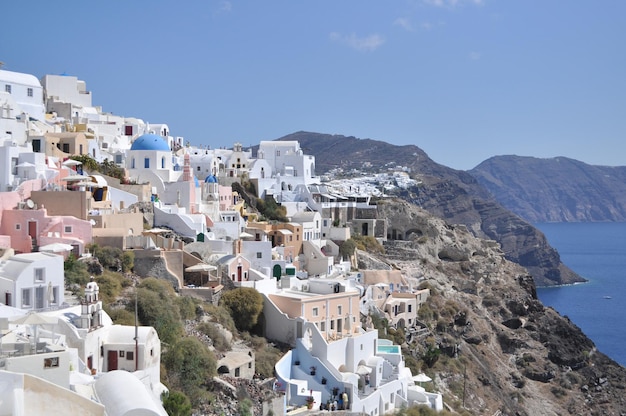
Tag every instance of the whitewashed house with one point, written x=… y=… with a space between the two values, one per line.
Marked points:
x=32 y=281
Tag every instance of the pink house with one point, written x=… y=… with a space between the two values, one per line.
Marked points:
x=30 y=227
x=234 y=267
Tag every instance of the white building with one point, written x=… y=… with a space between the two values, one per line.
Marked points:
x=26 y=91
x=65 y=89
x=32 y=281
x=290 y=167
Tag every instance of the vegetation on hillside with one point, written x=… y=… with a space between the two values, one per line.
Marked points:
x=108 y=167
x=270 y=210
x=188 y=362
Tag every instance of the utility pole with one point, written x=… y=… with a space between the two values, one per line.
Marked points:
x=136 y=333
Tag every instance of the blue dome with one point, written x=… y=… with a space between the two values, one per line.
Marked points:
x=210 y=179
x=150 y=142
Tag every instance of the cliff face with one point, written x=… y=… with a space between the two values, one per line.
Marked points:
x=453 y=195
x=555 y=190
x=500 y=349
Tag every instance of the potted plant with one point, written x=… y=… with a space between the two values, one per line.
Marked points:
x=323 y=380
x=309 y=402
x=313 y=368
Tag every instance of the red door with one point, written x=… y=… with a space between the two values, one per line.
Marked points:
x=112 y=360
x=32 y=232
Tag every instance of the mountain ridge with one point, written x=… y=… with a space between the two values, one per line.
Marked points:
x=557 y=189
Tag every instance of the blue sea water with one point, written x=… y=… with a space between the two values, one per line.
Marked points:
x=597 y=252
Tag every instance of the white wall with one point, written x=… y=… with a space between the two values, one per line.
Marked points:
x=67 y=89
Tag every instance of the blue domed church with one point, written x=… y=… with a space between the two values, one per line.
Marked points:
x=150 y=159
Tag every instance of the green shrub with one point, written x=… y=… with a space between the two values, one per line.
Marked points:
x=76 y=272
x=176 y=403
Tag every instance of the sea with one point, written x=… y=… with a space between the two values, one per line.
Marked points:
x=597 y=252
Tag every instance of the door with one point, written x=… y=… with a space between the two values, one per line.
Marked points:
x=112 y=360
x=39 y=297
x=32 y=231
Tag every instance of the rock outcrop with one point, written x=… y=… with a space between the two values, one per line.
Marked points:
x=501 y=349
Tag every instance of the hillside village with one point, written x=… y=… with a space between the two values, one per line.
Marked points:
x=188 y=215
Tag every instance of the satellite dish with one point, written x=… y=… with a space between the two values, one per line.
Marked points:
x=30 y=204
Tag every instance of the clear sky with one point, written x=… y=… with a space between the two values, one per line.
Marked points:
x=462 y=79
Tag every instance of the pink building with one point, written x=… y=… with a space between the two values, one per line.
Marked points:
x=29 y=227
x=234 y=267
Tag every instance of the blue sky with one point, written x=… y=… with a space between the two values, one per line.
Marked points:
x=462 y=79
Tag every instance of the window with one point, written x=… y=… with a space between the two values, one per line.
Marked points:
x=198 y=169
x=277 y=152
x=7 y=88
x=339 y=310
x=163 y=163
x=55 y=295
x=332 y=325
x=29 y=92
x=51 y=362
x=132 y=163
x=18 y=226
x=122 y=353
x=146 y=163
x=249 y=365
x=323 y=327
x=259 y=255
x=130 y=355
x=40 y=275
x=67 y=229
x=128 y=130
x=410 y=308
x=316 y=311
x=26 y=298
x=237 y=372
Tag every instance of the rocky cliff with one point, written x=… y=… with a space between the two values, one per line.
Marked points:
x=500 y=350
x=453 y=195
x=556 y=189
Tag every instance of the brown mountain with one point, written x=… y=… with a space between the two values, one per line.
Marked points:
x=451 y=194
x=556 y=189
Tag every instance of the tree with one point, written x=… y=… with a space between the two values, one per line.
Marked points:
x=346 y=249
x=245 y=304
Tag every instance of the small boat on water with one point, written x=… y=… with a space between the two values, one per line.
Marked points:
x=608 y=297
